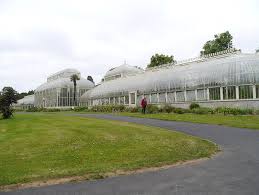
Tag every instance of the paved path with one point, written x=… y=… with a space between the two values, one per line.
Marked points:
x=234 y=171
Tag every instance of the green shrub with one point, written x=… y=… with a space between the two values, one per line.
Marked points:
x=248 y=111
x=94 y=108
x=202 y=111
x=234 y=111
x=194 y=106
x=51 y=110
x=168 y=108
x=212 y=111
x=104 y=108
x=80 y=109
x=152 y=109
x=108 y=108
x=34 y=109
x=18 y=110
x=180 y=111
x=133 y=109
x=120 y=108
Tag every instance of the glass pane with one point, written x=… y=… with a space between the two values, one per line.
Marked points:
x=246 y=92
x=147 y=98
x=162 y=98
x=111 y=100
x=190 y=95
x=214 y=93
x=106 y=100
x=201 y=94
x=126 y=99
x=116 y=100
x=154 y=98
x=229 y=92
x=139 y=98
x=133 y=98
x=122 y=100
x=170 y=97
x=180 y=96
x=257 y=91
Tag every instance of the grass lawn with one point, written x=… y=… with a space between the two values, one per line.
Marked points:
x=40 y=146
x=251 y=121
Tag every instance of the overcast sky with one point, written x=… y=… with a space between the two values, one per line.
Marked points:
x=41 y=37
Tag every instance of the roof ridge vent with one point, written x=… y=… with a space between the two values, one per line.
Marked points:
x=223 y=53
x=66 y=73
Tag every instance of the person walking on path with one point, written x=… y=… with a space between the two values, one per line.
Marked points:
x=144 y=105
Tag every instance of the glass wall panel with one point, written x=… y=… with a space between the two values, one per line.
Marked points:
x=126 y=99
x=246 y=92
x=106 y=101
x=132 y=98
x=147 y=98
x=111 y=100
x=257 y=91
x=201 y=94
x=139 y=98
x=95 y=102
x=162 y=98
x=180 y=96
x=190 y=95
x=229 y=92
x=122 y=100
x=170 y=97
x=116 y=100
x=214 y=93
x=154 y=98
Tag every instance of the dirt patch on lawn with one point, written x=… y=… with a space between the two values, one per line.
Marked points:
x=64 y=180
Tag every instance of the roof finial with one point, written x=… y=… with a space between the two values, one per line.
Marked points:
x=125 y=62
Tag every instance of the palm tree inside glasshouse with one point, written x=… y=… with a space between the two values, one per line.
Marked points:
x=74 y=78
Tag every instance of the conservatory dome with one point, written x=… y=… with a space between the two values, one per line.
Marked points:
x=122 y=71
x=61 y=79
x=58 y=91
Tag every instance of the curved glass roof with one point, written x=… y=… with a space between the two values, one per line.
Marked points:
x=221 y=70
x=62 y=80
x=29 y=99
x=123 y=69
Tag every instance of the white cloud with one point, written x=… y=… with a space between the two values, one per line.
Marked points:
x=38 y=38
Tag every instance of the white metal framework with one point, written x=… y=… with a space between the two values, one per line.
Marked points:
x=25 y=103
x=58 y=91
x=225 y=76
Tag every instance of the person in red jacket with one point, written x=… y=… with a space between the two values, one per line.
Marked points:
x=144 y=105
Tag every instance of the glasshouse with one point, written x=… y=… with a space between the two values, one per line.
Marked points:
x=25 y=103
x=227 y=78
x=58 y=91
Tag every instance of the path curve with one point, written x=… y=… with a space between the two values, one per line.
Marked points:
x=235 y=171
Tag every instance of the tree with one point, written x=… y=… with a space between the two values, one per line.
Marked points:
x=220 y=42
x=160 y=59
x=7 y=98
x=74 y=78
x=90 y=78
x=31 y=92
